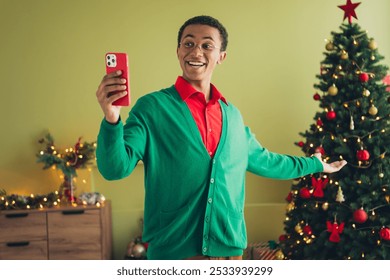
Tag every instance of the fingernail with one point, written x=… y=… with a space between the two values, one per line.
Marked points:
x=119 y=72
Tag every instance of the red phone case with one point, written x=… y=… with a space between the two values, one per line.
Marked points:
x=119 y=61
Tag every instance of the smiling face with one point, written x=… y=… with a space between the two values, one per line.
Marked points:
x=199 y=52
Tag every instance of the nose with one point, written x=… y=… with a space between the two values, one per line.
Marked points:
x=197 y=49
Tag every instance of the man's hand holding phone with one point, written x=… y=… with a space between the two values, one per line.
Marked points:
x=112 y=88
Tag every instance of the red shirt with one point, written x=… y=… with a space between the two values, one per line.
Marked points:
x=207 y=115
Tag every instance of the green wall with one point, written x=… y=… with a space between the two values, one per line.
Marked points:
x=52 y=55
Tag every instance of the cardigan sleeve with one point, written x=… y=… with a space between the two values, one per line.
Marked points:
x=278 y=166
x=120 y=147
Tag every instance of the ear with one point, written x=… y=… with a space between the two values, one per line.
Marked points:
x=222 y=56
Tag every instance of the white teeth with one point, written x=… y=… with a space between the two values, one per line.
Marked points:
x=195 y=63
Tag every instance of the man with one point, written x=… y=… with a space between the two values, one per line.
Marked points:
x=196 y=151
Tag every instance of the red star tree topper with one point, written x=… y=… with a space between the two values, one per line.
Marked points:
x=349 y=10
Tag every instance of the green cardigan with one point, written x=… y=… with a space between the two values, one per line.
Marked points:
x=194 y=204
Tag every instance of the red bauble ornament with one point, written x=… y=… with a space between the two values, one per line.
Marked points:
x=282 y=237
x=363 y=155
x=384 y=234
x=316 y=97
x=320 y=150
x=331 y=115
x=319 y=122
x=360 y=216
x=305 y=193
x=307 y=230
x=364 y=77
x=301 y=144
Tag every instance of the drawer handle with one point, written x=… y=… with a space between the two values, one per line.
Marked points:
x=18 y=244
x=16 y=215
x=73 y=212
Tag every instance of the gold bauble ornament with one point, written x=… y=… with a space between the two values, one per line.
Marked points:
x=325 y=206
x=329 y=46
x=344 y=55
x=298 y=228
x=279 y=255
x=333 y=90
x=290 y=206
x=366 y=93
x=372 y=44
x=373 y=110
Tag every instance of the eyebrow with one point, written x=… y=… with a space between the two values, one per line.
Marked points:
x=192 y=36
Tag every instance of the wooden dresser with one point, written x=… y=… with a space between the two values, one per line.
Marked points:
x=58 y=233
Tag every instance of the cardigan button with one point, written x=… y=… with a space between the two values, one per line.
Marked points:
x=210 y=200
x=212 y=180
x=205 y=249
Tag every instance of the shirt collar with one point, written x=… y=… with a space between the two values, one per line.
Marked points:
x=185 y=90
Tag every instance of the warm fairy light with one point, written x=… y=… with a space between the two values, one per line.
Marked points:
x=383 y=130
x=358 y=140
x=13 y=202
x=345 y=140
x=98 y=204
x=298 y=241
x=287 y=218
x=32 y=195
x=354 y=226
x=40 y=206
x=28 y=206
x=84 y=181
x=45 y=199
x=373 y=213
x=52 y=147
x=363 y=118
x=311 y=145
x=55 y=203
x=341 y=157
x=42 y=153
x=359 y=182
x=363 y=255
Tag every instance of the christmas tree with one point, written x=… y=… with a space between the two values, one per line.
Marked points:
x=345 y=215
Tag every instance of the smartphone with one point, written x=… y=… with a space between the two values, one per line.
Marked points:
x=119 y=61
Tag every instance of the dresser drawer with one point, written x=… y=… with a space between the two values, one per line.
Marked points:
x=75 y=234
x=22 y=226
x=24 y=250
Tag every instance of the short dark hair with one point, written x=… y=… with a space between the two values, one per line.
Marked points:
x=206 y=20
